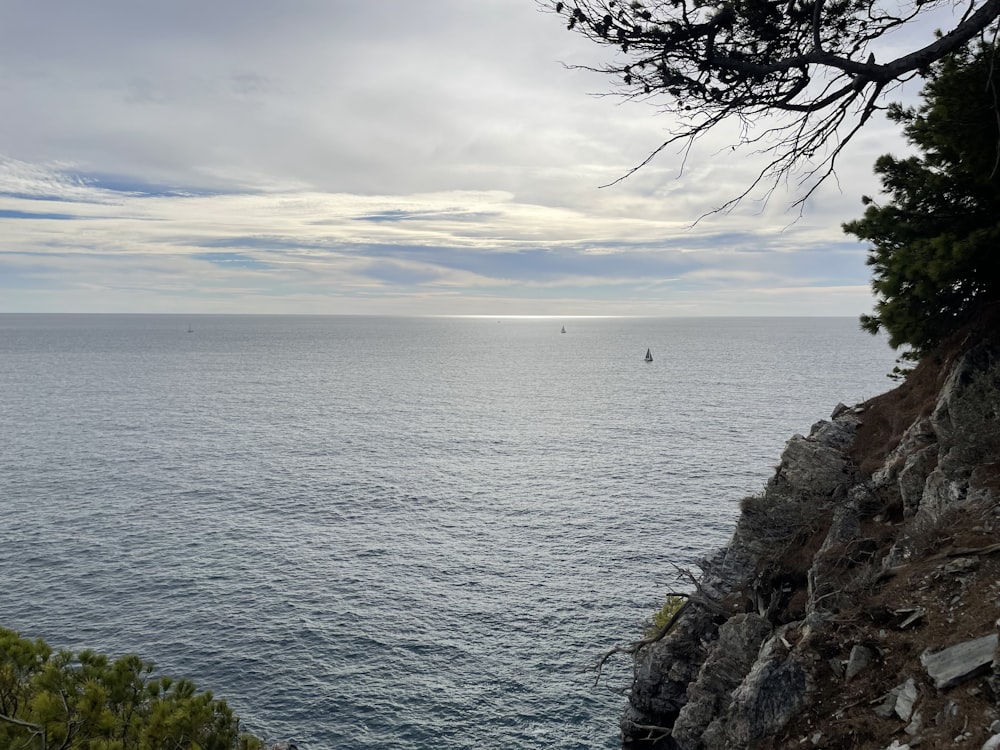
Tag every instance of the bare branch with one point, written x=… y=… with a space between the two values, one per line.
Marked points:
x=710 y=61
x=36 y=729
x=701 y=598
x=633 y=648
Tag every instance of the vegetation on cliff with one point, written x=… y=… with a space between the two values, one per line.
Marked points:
x=934 y=256
x=61 y=701
x=857 y=604
x=801 y=79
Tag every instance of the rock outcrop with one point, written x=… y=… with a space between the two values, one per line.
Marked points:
x=858 y=602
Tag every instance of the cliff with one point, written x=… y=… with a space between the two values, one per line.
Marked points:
x=857 y=604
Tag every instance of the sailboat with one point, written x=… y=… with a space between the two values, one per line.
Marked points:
x=649 y=356
x=190 y=329
x=563 y=330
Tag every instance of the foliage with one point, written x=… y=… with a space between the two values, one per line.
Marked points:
x=662 y=616
x=934 y=244
x=713 y=61
x=88 y=702
x=899 y=373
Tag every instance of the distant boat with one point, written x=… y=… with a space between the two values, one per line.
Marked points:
x=190 y=329
x=649 y=356
x=563 y=330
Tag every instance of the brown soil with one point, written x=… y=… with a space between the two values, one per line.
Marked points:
x=887 y=417
x=959 y=595
x=952 y=579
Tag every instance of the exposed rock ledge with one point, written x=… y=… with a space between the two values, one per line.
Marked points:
x=857 y=604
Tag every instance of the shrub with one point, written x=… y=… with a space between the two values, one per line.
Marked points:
x=89 y=702
x=663 y=615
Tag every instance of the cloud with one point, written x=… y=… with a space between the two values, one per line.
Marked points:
x=390 y=157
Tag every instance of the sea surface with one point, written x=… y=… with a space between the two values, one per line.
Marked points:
x=397 y=533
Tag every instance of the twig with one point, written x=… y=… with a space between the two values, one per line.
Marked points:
x=35 y=728
x=636 y=646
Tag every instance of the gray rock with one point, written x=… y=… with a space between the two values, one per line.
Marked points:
x=899 y=554
x=812 y=468
x=983 y=358
x=905 y=699
x=952 y=665
x=916 y=438
x=959 y=565
x=858 y=661
x=836 y=666
x=940 y=493
x=913 y=477
x=967 y=415
x=663 y=671
x=734 y=653
x=866 y=499
x=826 y=591
x=689 y=681
x=887 y=708
x=993 y=681
x=771 y=694
x=836 y=434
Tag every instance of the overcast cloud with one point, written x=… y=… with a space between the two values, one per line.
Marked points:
x=377 y=157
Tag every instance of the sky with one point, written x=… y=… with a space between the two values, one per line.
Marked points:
x=379 y=157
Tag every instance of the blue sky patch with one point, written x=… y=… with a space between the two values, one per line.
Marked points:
x=137 y=187
x=401 y=215
x=393 y=273
x=256 y=243
x=542 y=264
x=8 y=213
x=231 y=260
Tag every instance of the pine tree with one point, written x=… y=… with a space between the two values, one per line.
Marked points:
x=934 y=245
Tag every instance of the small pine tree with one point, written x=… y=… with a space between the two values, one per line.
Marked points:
x=88 y=702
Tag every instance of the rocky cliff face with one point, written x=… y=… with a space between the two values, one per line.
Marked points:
x=858 y=602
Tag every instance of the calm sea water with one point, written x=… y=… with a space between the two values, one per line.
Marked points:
x=384 y=532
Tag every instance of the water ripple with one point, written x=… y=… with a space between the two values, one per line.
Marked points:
x=371 y=533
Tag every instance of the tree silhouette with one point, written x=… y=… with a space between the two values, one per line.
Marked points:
x=811 y=62
x=935 y=245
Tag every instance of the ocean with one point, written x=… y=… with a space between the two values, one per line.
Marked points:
x=368 y=532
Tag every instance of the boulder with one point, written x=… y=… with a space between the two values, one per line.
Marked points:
x=664 y=669
x=812 y=468
x=772 y=693
x=740 y=638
